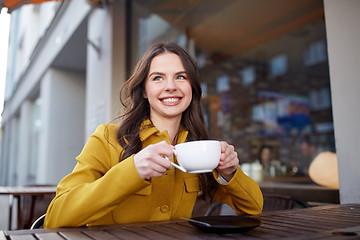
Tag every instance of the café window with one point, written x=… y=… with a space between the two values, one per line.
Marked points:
x=278 y=65
x=242 y=49
x=316 y=53
x=248 y=75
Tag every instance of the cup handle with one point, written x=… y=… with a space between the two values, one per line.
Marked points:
x=174 y=164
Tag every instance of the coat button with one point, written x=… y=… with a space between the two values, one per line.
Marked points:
x=164 y=208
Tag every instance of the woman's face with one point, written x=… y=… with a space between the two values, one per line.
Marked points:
x=265 y=154
x=167 y=87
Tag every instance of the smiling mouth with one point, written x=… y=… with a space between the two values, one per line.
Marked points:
x=170 y=100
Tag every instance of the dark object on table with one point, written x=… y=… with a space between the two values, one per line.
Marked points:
x=273 y=201
x=226 y=224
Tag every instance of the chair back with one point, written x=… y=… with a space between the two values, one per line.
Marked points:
x=39 y=223
x=31 y=207
x=281 y=202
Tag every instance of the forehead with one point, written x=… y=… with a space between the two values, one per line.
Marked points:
x=166 y=62
x=266 y=150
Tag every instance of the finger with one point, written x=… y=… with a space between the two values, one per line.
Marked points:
x=158 y=159
x=228 y=158
x=165 y=162
x=223 y=146
x=156 y=151
x=230 y=162
x=149 y=162
x=164 y=149
x=158 y=169
x=150 y=169
x=229 y=150
x=226 y=149
x=229 y=165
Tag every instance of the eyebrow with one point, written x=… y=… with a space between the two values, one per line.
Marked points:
x=163 y=74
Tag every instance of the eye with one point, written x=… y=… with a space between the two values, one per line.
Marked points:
x=157 y=78
x=181 y=77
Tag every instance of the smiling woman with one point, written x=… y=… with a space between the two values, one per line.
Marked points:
x=126 y=167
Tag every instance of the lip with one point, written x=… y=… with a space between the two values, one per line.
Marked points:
x=171 y=103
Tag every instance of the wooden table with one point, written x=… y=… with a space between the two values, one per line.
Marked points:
x=16 y=192
x=325 y=222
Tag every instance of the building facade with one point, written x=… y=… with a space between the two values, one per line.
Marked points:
x=266 y=67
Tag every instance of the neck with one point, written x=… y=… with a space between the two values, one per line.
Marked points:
x=169 y=124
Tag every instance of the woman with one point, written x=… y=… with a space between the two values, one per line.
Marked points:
x=270 y=167
x=265 y=158
x=122 y=175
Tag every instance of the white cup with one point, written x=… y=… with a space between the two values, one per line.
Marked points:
x=197 y=156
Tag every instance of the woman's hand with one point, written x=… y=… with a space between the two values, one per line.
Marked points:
x=150 y=161
x=228 y=161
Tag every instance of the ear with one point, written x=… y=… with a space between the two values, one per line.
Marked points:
x=144 y=94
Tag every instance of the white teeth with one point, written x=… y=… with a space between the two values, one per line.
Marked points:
x=170 y=100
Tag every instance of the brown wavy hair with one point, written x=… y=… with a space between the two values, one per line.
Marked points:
x=137 y=108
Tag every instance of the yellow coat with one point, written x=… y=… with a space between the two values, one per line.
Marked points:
x=102 y=190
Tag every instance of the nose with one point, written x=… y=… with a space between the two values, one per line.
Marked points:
x=170 y=85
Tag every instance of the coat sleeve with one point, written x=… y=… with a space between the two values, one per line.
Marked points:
x=241 y=193
x=96 y=185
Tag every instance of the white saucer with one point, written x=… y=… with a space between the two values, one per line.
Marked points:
x=200 y=171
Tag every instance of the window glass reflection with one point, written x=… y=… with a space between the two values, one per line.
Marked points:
x=264 y=69
x=278 y=65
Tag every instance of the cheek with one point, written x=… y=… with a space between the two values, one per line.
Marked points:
x=189 y=95
x=188 y=91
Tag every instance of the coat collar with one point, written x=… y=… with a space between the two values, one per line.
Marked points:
x=148 y=129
